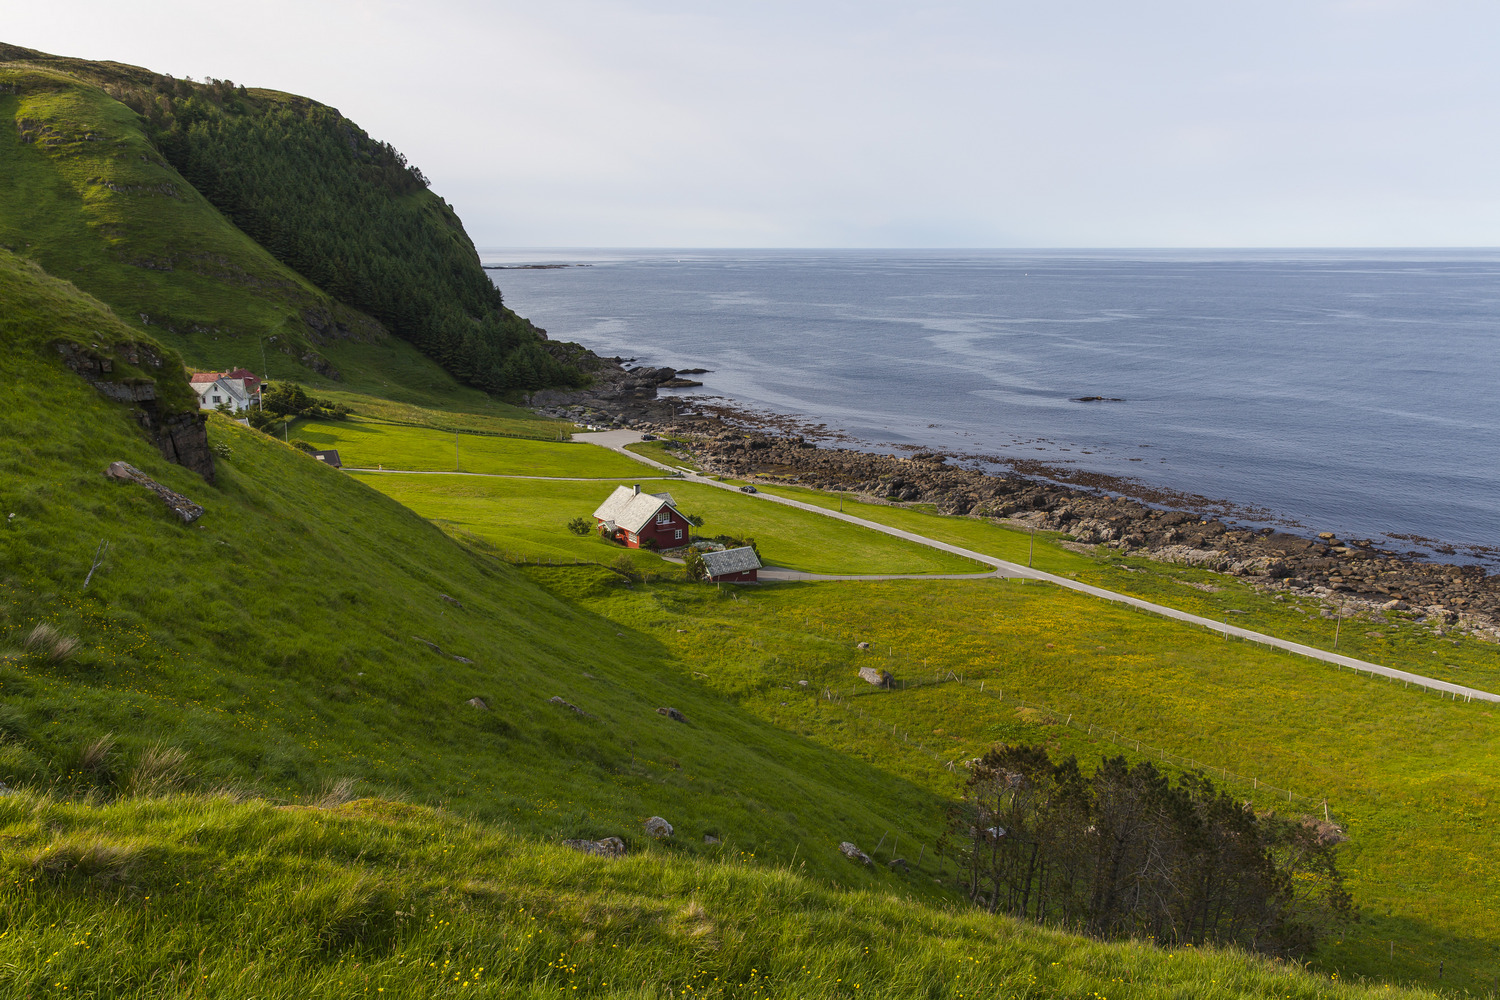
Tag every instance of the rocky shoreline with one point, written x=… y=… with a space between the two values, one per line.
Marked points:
x=1353 y=574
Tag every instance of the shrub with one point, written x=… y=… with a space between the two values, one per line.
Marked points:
x=581 y=525
x=693 y=565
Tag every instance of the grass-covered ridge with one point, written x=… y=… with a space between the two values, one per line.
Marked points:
x=212 y=897
x=92 y=186
x=342 y=211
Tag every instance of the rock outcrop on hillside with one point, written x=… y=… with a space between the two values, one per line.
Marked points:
x=180 y=432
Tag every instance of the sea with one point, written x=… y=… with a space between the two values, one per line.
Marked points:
x=1352 y=391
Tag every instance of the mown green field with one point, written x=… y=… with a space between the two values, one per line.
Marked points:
x=1390 y=639
x=528 y=519
x=657 y=452
x=363 y=443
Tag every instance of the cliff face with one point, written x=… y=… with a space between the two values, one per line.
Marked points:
x=175 y=425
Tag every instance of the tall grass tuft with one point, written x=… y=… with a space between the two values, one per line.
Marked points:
x=158 y=770
x=335 y=793
x=96 y=758
x=93 y=858
x=47 y=641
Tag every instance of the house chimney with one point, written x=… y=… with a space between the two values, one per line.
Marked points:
x=637 y=489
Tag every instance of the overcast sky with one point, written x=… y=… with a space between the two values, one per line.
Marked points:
x=821 y=123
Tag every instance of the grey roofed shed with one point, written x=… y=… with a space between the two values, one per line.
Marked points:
x=730 y=561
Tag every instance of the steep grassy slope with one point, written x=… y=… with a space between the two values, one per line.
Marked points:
x=191 y=897
x=86 y=195
x=281 y=641
x=311 y=189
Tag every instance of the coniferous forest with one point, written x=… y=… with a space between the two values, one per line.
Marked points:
x=351 y=215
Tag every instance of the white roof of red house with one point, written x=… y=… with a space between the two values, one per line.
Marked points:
x=631 y=509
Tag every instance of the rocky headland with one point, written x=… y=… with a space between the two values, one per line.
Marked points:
x=1355 y=574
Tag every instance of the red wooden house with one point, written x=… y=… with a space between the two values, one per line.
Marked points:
x=633 y=518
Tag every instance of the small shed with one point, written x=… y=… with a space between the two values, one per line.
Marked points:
x=331 y=457
x=732 y=565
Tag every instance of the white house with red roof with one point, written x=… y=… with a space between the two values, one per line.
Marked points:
x=239 y=389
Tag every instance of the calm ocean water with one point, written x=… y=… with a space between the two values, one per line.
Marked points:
x=1357 y=391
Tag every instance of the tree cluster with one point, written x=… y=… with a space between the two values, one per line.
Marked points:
x=283 y=402
x=1126 y=852
x=349 y=213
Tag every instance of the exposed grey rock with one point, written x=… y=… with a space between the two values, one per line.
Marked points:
x=451 y=600
x=658 y=827
x=876 y=676
x=176 y=502
x=672 y=714
x=478 y=703
x=862 y=645
x=853 y=853
x=557 y=700
x=709 y=838
x=609 y=847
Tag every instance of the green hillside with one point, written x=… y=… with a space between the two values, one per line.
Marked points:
x=308 y=639
x=93 y=188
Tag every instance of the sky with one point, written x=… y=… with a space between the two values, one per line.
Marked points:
x=823 y=123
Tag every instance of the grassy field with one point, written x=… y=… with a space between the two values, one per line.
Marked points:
x=528 y=519
x=1410 y=774
x=362 y=443
x=485 y=415
x=1390 y=639
x=657 y=452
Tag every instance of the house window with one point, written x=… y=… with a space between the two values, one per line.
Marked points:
x=218 y=399
x=664 y=517
x=679 y=534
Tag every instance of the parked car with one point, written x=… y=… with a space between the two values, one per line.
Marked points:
x=748 y=489
x=648 y=437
